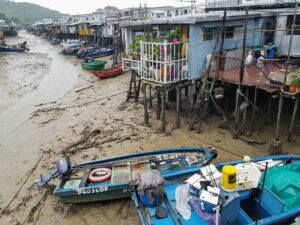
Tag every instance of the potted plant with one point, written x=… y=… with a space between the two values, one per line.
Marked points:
x=295 y=83
x=135 y=46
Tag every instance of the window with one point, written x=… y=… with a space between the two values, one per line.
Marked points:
x=212 y=33
x=229 y=32
x=289 y=24
x=209 y=34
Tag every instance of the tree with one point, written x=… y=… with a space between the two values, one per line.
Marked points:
x=111 y=8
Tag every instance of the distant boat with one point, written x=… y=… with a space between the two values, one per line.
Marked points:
x=11 y=49
x=95 y=53
x=116 y=176
x=55 y=41
x=109 y=72
x=93 y=64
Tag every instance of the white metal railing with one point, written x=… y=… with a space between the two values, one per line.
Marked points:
x=164 y=62
x=241 y=3
x=131 y=64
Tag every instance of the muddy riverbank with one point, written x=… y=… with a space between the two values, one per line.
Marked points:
x=56 y=103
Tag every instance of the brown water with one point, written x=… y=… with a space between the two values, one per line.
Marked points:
x=52 y=105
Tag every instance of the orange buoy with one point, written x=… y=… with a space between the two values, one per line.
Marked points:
x=100 y=178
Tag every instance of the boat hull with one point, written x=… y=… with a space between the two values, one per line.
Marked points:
x=109 y=72
x=93 y=65
x=96 y=53
x=270 y=211
x=108 y=190
x=10 y=49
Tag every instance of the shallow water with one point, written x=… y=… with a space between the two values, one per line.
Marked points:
x=54 y=85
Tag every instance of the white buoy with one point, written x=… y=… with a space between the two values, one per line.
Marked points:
x=247 y=158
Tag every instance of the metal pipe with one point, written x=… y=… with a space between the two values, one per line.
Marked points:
x=291 y=41
x=279 y=116
x=293 y=118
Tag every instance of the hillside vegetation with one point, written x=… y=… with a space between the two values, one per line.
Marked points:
x=26 y=13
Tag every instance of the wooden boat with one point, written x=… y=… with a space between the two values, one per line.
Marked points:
x=276 y=200
x=95 y=53
x=76 y=186
x=93 y=64
x=109 y=72
x=11 y=49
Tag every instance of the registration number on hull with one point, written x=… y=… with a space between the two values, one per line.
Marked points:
x=91 y=191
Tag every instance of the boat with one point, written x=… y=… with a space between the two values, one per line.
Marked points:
x=13 y=48
x=95 y=53
x=118 y=174
x=109 y=72
x=55 y=41
x=264 y=191
x=71 y=47
x=93 y=64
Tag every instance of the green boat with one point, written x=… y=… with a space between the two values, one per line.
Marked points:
x=93 y=64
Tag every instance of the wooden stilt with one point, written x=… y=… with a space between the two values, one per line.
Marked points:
x=130 y=87
x=134 y=85
x=146 y=116
x=245 y=110
x=270 y=105
x=163 y=108
x=150 y=96
x=137 y=91
x=278 y=117
x=253 y=108
x=158 y=107
x=237 y=111
x=178 y=104
x=186 y=91
x=293 y=118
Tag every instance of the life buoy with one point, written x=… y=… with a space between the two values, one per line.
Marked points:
x=101 y=178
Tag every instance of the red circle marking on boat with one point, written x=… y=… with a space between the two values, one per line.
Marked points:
x=100 y=179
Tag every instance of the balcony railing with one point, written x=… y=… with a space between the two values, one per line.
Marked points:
x=244 y=3
x=164 y=62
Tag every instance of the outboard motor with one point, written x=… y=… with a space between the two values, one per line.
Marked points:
x=63 y=170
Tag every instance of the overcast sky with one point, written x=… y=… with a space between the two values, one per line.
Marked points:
x=88 y=6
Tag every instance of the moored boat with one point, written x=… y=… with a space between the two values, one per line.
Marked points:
x=263 y=190
x=109 y=72
x=93 y=64
x=95 y=53
x=114 y=178
x=11 y=49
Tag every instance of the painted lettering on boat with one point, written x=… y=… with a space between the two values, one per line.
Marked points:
x=127 y=189
x=91 y=190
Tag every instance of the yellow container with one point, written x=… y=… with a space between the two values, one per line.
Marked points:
x=228 y=178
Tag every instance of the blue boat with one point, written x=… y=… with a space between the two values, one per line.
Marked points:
x=13 y=48
x=95 y=53
x=276 y=199
x=55 y=41
x=114 y=178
